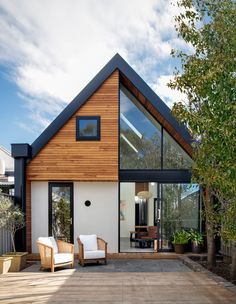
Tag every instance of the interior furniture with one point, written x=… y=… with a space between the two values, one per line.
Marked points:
x=144 y=243
x=91 y=249
x=142 y=233
x=55 y=253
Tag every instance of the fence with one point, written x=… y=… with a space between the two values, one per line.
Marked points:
x=5 y=241
x=226 y=250
x=5 y=238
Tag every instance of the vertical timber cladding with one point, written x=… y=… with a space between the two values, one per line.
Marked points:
x=63 y=158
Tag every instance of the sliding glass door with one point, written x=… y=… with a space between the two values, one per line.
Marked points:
x=152 y=211
x=138 y=217
x=61 y=211
x=180 y=209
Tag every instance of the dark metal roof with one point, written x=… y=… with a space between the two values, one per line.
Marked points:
x=117 y=62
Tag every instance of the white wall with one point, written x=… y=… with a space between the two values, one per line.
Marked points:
x=8 y=160
x=153 y=190
x=39 y=209
x=101 y=217
x=127 y=193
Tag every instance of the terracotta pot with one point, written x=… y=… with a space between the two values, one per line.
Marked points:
x=5 y=264
x=179 y=248
x=18 y=260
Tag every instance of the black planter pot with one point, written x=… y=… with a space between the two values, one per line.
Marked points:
x=179 y=248
x=196 y=248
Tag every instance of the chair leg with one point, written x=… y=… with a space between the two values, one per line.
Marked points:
x=52 y=268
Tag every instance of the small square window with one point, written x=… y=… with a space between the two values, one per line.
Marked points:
x=87 y=128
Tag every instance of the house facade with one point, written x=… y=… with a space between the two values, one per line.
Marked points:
x=115 y=162
x=6 y=172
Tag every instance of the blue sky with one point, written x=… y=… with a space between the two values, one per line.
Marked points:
x=49 y=50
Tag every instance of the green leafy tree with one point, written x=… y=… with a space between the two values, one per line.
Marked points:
x=208 y=79
x=11 y=217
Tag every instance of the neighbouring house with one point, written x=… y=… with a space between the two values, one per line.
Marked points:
x=7 y=188
x=115 y=163
x=6 y=172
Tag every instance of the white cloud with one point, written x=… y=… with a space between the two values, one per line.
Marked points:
x=57 y=46
x=168 y=95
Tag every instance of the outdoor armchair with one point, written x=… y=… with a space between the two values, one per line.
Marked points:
x=91 y=249
x=55 y=253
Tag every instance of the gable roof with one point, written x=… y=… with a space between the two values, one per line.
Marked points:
x=117 y=62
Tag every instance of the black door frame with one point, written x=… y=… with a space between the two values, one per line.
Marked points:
x=61 y=184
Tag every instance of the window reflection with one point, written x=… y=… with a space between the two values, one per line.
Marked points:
x=174 y=157
x=140 y=135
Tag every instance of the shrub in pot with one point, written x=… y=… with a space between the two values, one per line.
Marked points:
x=180 y=239
x=196 y=240
x=12 y=219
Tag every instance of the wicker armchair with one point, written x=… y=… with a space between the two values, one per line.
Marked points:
x=55 y=253
x=91 y=249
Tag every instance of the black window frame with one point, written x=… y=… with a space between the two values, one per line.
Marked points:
x=50 y=187
x=88 y=138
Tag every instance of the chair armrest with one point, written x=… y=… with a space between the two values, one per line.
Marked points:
x=81 y=248
x=102 y=245
x=64 y=247
x=44 y=247
x=46 y=252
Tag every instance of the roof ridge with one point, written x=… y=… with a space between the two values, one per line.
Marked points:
x=116 y=62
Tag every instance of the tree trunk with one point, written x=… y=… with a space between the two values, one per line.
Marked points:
x=233 y=267
x=211 y=249
x=13 y=242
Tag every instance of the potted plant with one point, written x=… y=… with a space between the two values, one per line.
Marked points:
x=12 y=219
x=5 y=264
x=180 y=239
x=196 y=240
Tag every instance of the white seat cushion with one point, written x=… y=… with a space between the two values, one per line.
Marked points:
x=94 y=254
x=89 y=242
x=49 y=241
x=60 y=258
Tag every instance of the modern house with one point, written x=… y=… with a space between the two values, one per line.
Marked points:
x=115 y=162
x=6 y=171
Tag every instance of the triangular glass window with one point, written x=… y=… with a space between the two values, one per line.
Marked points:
x=140 y=135
x=174 y=157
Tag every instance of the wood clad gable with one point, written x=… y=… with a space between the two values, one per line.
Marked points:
x=64 y=158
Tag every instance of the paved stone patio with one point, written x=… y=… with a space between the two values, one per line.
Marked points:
x=88 y=285
x=128 y=266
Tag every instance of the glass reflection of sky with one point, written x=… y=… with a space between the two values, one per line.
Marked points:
x=189 y=189
x=140 y=119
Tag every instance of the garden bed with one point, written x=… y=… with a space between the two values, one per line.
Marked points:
x=221 y=269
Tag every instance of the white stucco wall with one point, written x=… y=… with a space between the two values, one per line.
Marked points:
x=101 y=217
x=39 y=209
x=6 y=158
x=153 y=190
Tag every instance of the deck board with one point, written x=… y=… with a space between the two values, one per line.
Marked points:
x=72 y=286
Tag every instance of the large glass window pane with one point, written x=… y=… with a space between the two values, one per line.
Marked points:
x=138 y=217
x=174 y=157
x=61 y=211
x=180 y=210
x=140 y=135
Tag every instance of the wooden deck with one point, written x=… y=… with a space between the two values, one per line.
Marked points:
x=72 y=286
